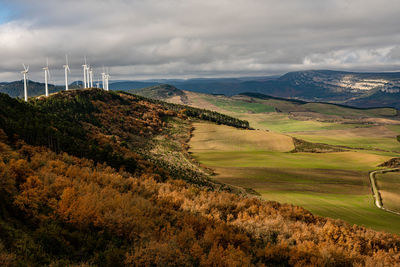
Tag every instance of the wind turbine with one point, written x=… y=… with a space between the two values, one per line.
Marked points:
x=91 y=77
x=25 y=73
x=85 y=66
x=66 y=69
x=103 y=75
x=106 y=77
x=46 y=77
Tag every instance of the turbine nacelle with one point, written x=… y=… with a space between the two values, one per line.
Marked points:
x=26 y=69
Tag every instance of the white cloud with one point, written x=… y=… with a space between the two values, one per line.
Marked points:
x=188 y=38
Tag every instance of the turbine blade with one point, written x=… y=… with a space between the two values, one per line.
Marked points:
x=24 y=66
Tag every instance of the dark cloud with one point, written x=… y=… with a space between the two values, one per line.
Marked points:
x=188 y=38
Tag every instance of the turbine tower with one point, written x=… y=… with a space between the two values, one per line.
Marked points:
x=85 y=66
x=106 y=77
x=66 y=69
x=91 y=77
x=46 y=77
x=103 y=75
x=25 y=73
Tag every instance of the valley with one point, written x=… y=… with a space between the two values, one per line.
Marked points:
x=333 y=184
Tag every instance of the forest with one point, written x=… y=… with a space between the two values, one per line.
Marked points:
x=81 y=184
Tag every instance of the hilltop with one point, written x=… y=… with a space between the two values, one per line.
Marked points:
x=100 y=178
x=161 y=92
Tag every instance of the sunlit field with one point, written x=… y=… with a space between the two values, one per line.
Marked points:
x=328 y=184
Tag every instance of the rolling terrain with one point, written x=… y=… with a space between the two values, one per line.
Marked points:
x=333 y=184
x=89 y=177
x=363 y=90
x=349 y=88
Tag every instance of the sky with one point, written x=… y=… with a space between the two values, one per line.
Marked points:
x=146 y=39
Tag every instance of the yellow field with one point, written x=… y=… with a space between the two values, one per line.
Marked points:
x=224 y=138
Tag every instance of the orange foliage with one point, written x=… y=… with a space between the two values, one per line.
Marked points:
x=175 y=223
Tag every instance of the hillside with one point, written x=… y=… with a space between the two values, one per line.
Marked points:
x=161 y=92
x=96 y=178
x=327 y=171
x=260 y=103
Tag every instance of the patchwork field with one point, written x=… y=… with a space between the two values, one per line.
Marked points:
x=328 y=184
x=332 y=184
x=370 y=129
x=389 y=188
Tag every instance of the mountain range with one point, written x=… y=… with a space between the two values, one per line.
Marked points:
x=349 y=88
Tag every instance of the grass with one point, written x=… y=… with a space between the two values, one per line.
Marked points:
x=389 y=188
x=344 y=111
x=224 y=139
x=355 y=209
x=377 y=137
x=238 y=106
x=338 y=160
x=282 y=123
x=328 y=184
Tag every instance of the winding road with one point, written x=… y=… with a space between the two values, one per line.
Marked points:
x=375 y=190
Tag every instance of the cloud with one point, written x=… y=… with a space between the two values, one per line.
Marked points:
x=191 y=38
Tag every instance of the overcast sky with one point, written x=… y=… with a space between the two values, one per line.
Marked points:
x=141 y=39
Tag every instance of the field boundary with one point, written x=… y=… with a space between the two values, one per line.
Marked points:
x=375 y=190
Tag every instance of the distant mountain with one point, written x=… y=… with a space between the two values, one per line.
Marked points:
x=249 y=102
x=128 y=85
x=16 y=88
x=350 y=88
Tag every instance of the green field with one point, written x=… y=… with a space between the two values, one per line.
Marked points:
x=313 y=122
x=347 y=138
x=328 y=184
x=239 y=106
x=389 y=188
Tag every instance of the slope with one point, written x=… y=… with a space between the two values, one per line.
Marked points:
x=60 y=209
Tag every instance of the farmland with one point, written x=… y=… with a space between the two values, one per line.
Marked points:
x=261 y=161
x=389 y=188
x=335 y=184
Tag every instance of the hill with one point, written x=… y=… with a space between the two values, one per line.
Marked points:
x=129 y=85
x=326 y=172
x=96 y=178
x=160 y=92
x=350 y=88
x=260 y=103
